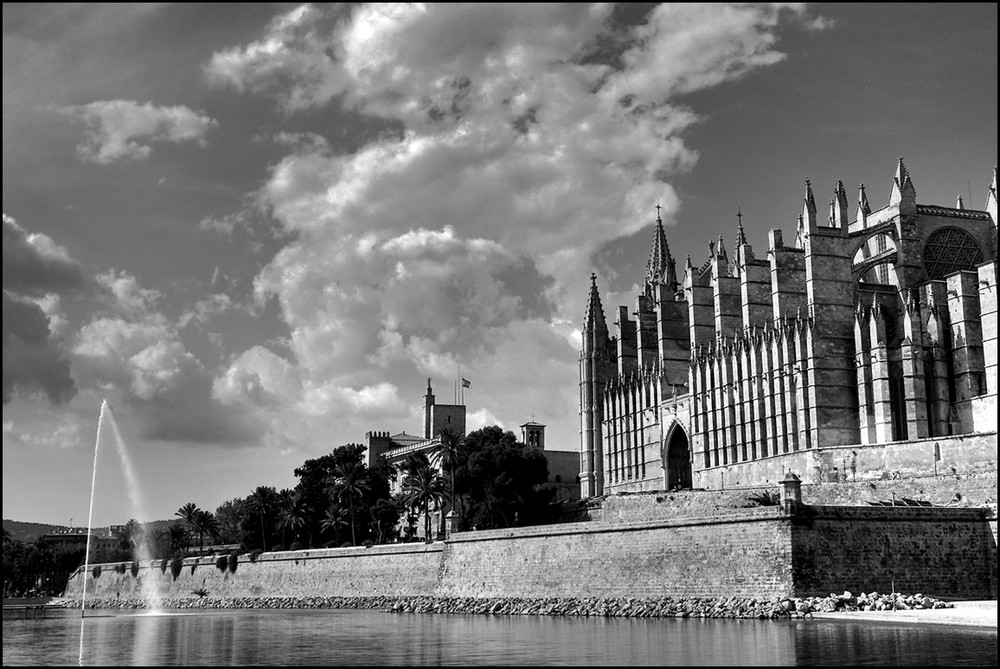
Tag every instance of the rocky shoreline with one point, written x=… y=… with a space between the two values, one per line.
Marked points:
x=634 y=607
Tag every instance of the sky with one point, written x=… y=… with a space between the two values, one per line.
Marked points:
x=256 y=230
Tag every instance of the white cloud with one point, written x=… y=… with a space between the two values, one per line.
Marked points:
x=124 y=129
x=292 y=60
x=202 y=310
x=258 y=377
x=130 y=296
x=467 y=237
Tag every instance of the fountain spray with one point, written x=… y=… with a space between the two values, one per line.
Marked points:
x=90 y=517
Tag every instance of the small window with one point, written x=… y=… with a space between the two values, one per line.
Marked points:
x=558 y=478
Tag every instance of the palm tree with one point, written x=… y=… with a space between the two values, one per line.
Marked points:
x=173 y=539
x=189 y=514
x=129 y=535
x=335 y=518
x=449 y=454
x=205 y=523
x=350 y=482
x=293 y=513
x=423 y=488
x=261 y=501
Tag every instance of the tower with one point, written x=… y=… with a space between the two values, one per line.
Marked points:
x=595 y=370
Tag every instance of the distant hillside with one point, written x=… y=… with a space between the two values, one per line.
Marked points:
x=28 y=532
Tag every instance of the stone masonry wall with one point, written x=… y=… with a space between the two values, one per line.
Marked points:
x=977 y=489
x=398 y=569
x=966 y=454
x=752 y=552
x=938 y=552
x=744 y=553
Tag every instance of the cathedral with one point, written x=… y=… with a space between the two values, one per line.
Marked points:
x=866 y=346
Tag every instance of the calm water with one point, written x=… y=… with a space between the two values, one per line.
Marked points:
x=341 y=637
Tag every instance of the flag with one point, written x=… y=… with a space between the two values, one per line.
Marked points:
x=465 y=382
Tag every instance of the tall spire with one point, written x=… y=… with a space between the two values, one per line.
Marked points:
x=741 y=237
x=594 y=321
x=661 y=268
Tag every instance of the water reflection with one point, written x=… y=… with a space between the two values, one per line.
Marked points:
x=375 y=638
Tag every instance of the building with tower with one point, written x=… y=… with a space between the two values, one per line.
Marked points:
x=865 y=345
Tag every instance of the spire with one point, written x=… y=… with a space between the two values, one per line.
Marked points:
x=959 y=204
x=741 y=237
x=809 y=208
x=903 y=194
x=863 y=208
x=660 y=269
x=722 y=249
x=594 y=321
x=838 y=214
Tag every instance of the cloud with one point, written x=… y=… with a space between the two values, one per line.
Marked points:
x=124 y=129
x=202 y=310
x=167 y=389
x=529 y=137
x=33 y=264
x=35 y=270
x=294 y=49
x=130 y=297
x=31 y=360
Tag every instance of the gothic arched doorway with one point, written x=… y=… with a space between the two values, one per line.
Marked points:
x=677 y=459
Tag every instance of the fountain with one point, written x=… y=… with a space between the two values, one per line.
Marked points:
x=149 y=587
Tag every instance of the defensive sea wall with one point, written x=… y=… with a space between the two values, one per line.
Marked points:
x=747 y=552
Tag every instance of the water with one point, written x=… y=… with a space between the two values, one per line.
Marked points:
x=150 y=588
x=363 y=637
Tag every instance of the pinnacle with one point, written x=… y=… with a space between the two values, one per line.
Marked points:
x=660 y=269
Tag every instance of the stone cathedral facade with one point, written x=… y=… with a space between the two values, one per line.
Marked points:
x=865 y=344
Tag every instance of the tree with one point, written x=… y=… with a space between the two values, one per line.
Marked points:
x=314 y=482
x=385 y=517
x=189 y=514
x=129 y=536
x=425 y=488
x=499 y=479
x=450 y=453
x=335 y=518
x=261 y=503
x=230 y=517
x=350 y=483
x=205 y=523
x=172 y=540
x=293 y=514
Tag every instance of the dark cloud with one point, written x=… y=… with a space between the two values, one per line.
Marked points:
x=187 y=414
x=34 y=265
x=30 y=361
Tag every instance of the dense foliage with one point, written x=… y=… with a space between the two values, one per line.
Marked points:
x=489 y=477
x=498 y=478
x=36 y=568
